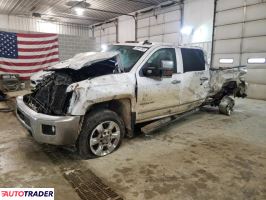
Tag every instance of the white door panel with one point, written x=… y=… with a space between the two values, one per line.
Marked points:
x=229 y=16
x=194 y=86
x=254 y=44
x=156 y=97
x=195 y=79
x=227 y=46
x=256 y=28
x=228 y=4
x=228 y=31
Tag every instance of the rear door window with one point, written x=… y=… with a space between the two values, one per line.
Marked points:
x=193 y=60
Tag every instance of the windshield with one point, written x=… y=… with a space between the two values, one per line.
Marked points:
x=129 y=55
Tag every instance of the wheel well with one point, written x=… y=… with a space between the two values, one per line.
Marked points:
x=227 y=89
x=123 y=108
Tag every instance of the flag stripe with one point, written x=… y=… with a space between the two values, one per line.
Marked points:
x=38 y=56
x=37 y=42
x=37 y=39
x=27 y=46
x=37 y=49
x=10 y=60
x=38 y=52
x=29 y=64
x=30 y=35
x=27 y=67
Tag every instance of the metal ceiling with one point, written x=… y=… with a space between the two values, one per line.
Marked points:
x=99 y=10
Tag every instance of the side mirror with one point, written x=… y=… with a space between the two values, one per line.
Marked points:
x=167 y=68
x=152 y=72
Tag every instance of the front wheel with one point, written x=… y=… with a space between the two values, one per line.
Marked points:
x=102 y=133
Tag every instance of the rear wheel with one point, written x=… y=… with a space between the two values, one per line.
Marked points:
x=226 y=105
x=228 y=110
x=101 y=134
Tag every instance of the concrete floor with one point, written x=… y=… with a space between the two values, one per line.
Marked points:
x=203 y=156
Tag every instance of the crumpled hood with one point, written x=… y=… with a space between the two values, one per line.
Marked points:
x=84 y=59
x=77 y=62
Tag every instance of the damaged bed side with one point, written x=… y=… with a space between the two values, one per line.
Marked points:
x=226 y=82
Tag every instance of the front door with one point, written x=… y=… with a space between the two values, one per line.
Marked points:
x=157 y=97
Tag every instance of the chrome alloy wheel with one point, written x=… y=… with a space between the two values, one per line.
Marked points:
x=104 y=138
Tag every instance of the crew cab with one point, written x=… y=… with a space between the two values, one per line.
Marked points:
x=95 y=99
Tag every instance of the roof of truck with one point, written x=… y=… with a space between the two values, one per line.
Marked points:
x=148 y=44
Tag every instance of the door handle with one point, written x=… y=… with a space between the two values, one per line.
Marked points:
x=204 y=78
x=176 y=81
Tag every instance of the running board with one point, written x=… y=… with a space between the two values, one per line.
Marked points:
x=165 y=121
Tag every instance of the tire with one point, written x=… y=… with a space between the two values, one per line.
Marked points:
x=101 y=134
x=228 y=111
x=226 y=106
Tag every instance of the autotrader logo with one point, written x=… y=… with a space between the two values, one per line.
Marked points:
x=26 y=193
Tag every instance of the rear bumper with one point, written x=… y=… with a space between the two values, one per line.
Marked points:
x=65 y=129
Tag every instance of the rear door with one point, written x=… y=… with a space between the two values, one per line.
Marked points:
x=195 y=78
x=157 y=97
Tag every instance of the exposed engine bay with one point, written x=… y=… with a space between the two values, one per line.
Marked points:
x=50 y=96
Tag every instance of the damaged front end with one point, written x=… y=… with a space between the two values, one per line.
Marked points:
x=50 y=95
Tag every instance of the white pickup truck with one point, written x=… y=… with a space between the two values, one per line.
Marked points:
x=95 y=99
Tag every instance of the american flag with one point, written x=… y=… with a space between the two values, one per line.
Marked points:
x=25 y=54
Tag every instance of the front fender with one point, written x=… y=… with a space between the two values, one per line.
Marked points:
x=89 y=93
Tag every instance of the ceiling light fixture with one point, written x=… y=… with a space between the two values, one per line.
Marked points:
x=79 y=11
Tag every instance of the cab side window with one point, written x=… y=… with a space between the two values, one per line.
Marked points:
x=167 y=54
x=193 y=60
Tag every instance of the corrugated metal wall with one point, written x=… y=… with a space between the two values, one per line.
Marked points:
x=158 y=25
x=105 y=34
x=26 y=24
x=161 y=25
x=239 y=36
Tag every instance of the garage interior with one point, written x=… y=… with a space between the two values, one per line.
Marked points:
x=204 y=155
